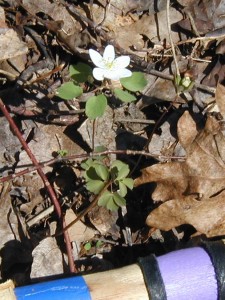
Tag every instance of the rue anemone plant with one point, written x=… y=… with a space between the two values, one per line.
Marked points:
x=113 y=74
x=114 y=181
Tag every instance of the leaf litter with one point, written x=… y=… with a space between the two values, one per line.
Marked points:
x=180 y=135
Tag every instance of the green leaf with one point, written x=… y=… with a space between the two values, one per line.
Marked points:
x=80 y=72
x=87 y=246
x=111 y=205
x=129 y=182
x=118 y=164
x=177 y=80
x=69 y=91
x=124 y=95
x=122 y=169
x=122 y=189
x=100 y=149
x=123 y=172
x=95 y=106
x=102 y=172
x=103 y=200
x=87 y=164
x=120 y=201
x=95 y=186
x=62 y=152
x=91 y=173
x=134 y=83
x=99 y=244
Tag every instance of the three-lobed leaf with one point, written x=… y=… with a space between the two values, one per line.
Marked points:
x=102 y=171
x=95 y=186
x=119 y=170
x=87 y=164
x=123 y=172
x=122 y=189
x=119 y=200
x=111 y=205
x=103 y=200
x=124 y=184
x=129 y=182
x=111 y=201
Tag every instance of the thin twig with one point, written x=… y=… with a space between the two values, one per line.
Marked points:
x=140 y=121
x=93 y=135
x=49 y=188
x=170 y=37
x=81 y=157
x=40 y=216
x=203 y=38
x=85 y=211
x=199 y=86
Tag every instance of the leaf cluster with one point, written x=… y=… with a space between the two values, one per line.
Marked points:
x=79 y=73
x=97 y=175
x=96 y=105
x=183 y=84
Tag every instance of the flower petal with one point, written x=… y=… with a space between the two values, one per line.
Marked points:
x=121 y=62
x=96 y=58
x=117 y=74
x=125 y=73
x=109 y=54
x=98 y=73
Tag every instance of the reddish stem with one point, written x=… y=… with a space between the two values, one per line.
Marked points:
x=48 y=186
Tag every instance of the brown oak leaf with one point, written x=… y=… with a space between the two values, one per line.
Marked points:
x=193 y=190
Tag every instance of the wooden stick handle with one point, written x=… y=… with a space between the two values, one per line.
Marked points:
x=123 y=284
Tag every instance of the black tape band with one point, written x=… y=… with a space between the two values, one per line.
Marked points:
x=152 y=276
x=216 y=251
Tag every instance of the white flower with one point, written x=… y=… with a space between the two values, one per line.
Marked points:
x=108 y=66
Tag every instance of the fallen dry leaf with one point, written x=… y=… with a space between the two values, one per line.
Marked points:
x=10 y=45
x=193 y=189
x=207 y=15
x=186 y=129
x=47 y=259
x=207 y=216
x=78 y=232
x=119 y=23
x=220 y=98
x=56 y=11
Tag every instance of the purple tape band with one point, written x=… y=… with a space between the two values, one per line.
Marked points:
x=188 y=274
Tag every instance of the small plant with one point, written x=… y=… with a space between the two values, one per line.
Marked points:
x=96 y=244
x=113 y=179
x=62 y=152
x=115 y=76
x=184 y=83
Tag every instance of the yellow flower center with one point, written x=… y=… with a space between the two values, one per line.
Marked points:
x=109 y=64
